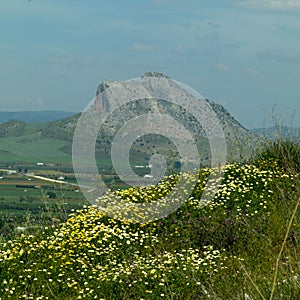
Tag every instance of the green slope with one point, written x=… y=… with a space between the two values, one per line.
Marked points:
x=32 y=148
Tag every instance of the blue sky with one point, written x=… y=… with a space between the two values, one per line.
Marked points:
x=242 y=54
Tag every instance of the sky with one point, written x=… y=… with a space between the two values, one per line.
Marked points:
x=242 y=54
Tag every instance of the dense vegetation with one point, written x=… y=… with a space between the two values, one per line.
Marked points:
x=243 y=245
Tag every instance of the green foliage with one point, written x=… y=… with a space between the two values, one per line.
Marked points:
x=51 y=195
x=285 y=153
x=12 y=128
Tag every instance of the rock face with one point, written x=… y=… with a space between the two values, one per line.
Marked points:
x=156 y=90
x=110 y=98
x=102 y=104
x=103 y=86
x=154 y=74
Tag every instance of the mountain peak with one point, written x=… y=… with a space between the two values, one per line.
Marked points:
x=155 y=74
x=104 y=85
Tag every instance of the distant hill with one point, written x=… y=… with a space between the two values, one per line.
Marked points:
x=275 y=132
x=34 y=116
x=12 y=128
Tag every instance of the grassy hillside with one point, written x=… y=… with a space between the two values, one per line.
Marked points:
x=31 y=148
x=24 y=142
x=52 y=143
x=242 y=245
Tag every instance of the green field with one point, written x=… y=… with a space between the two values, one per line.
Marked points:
x=30 y=148
x=21 y=198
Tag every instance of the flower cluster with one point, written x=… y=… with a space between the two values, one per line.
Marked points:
x=92 y=253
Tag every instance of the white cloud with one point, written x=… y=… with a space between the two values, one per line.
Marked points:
x=274 y=5
x=221 y=67
x=142 y=47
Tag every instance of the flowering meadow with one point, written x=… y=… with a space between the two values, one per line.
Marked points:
x=244 y=244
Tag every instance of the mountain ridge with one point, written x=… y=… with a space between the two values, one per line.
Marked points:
x=34 y=116
x=236 y=135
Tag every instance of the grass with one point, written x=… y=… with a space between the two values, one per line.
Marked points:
x=243 y=245
x=31 y=148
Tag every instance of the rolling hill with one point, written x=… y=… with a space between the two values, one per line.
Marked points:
x=275 y=132
x=34 y=116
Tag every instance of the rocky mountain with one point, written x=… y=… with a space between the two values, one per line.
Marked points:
x=151 y=101
x=108 y=101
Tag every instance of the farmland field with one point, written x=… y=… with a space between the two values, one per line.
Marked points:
x=31 y=148
x=23 y=198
